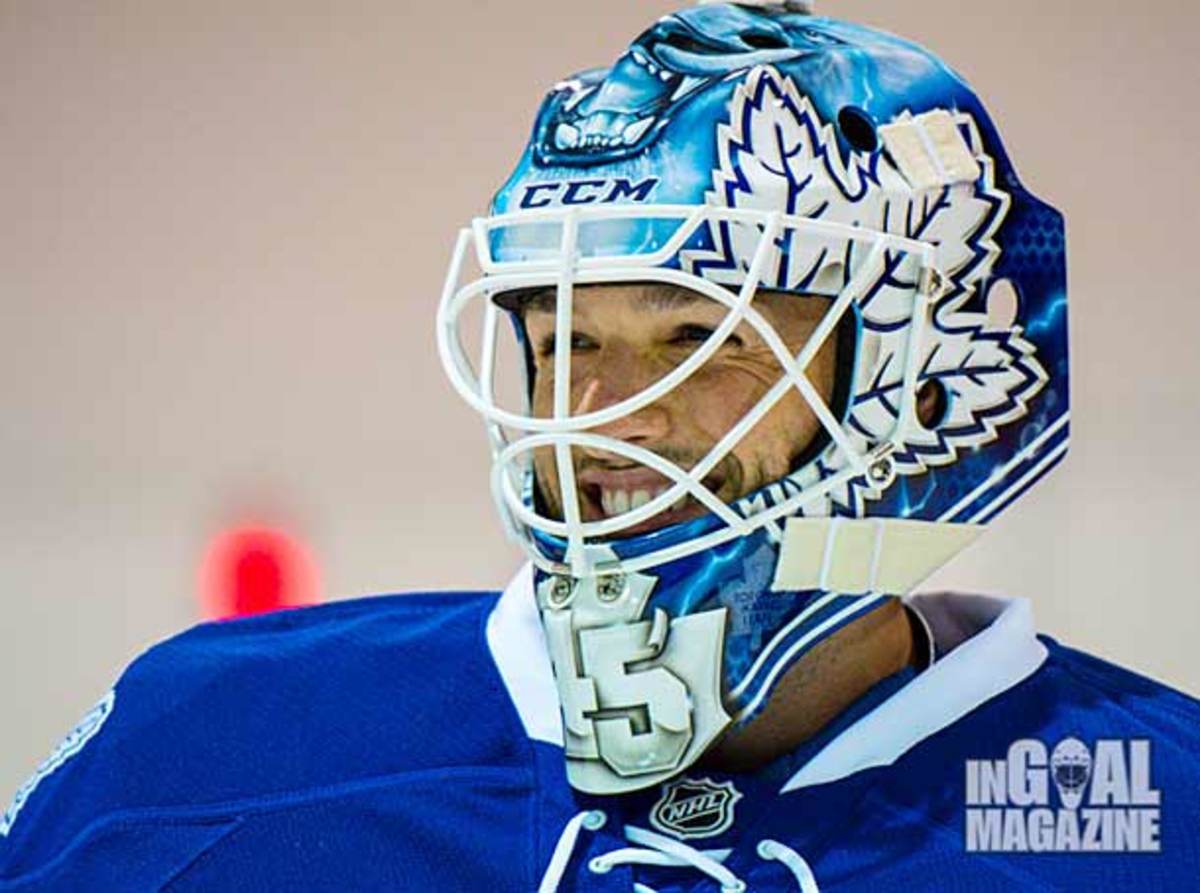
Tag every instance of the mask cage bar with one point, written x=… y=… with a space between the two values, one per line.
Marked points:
x=563 y=431
x=563 y=463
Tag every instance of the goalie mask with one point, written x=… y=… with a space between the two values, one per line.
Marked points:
x=743 y=157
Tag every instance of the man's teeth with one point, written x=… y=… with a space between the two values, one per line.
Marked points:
x=618 y=502
x=614 y=502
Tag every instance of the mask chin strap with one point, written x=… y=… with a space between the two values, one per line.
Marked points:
x=878 y=556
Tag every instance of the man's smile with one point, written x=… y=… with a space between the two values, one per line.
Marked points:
x=608 y=491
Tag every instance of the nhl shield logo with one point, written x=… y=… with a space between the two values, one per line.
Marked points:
x=695 y=807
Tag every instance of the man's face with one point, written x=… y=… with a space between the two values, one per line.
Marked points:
x=624 y=338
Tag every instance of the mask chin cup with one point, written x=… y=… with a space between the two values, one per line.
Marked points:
x=659 y=680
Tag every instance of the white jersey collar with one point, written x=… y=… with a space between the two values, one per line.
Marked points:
x=985 y=645
x=518 y=646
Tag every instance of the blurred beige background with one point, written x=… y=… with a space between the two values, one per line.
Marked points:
x=223 y=228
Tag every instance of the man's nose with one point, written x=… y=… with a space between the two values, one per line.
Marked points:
x=613 y=382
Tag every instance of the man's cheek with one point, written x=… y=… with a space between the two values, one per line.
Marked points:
x=720 y=410
x=543 y=399
x=769 y=446
x=739 y=385
x=545 y=472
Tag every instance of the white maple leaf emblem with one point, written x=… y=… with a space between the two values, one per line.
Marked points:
x=776 y=153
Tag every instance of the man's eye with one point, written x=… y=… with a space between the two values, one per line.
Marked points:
x=579 y=341
x=695 y=335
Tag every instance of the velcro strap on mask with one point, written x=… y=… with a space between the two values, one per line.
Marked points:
x=876 y=555
x=930 y=151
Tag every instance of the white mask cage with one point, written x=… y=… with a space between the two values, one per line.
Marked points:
x=564 y=260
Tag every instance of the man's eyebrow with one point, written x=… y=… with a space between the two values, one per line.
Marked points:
x=520 y=300
x=669 y=298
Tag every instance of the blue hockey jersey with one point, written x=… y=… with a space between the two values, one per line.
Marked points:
x=414 y=743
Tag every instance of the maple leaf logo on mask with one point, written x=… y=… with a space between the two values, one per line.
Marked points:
x=777 y=154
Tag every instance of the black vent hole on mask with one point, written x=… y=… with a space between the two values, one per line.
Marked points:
x=858 y=128
x=764 y=41
x=933 y=404
x=683 y=41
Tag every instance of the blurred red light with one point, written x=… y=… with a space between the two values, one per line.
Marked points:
x=251 y=570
